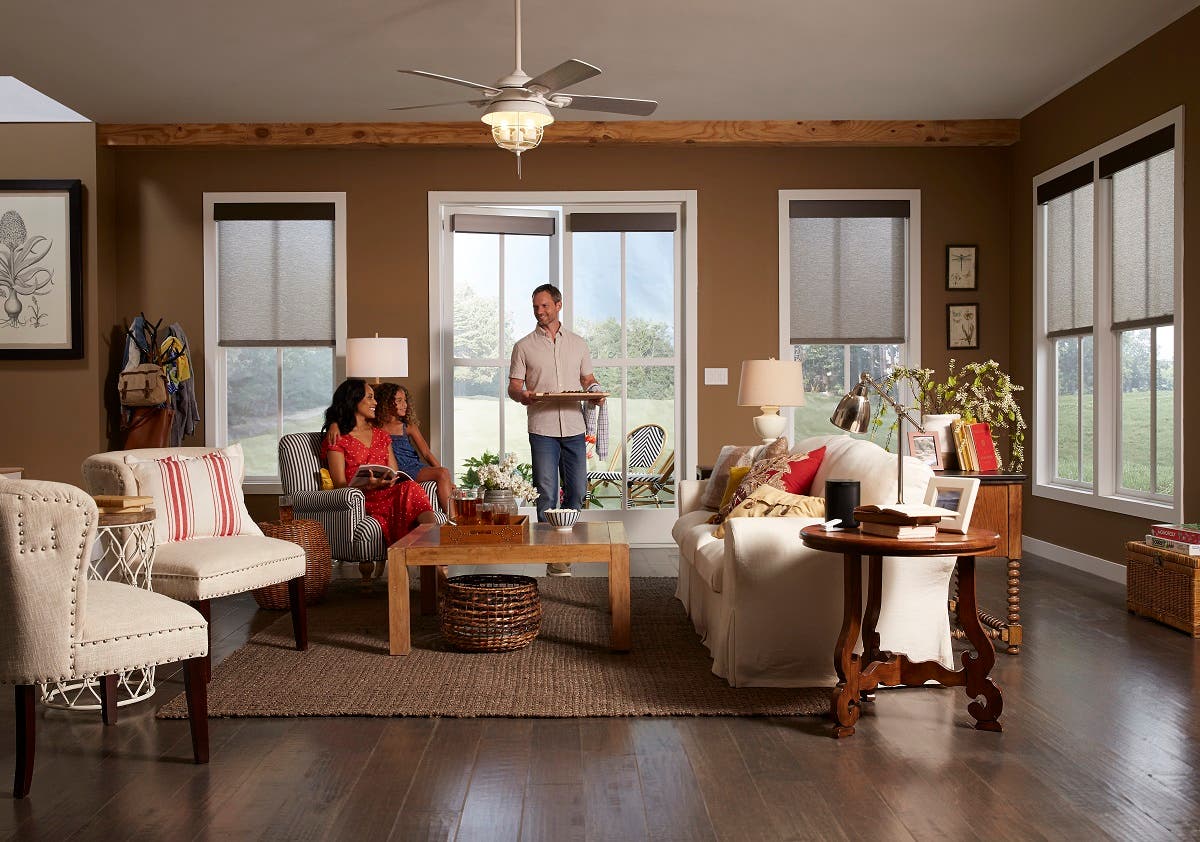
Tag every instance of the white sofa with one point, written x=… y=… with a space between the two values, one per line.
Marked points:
x=769 y=609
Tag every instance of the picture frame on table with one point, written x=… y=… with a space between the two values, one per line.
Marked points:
x=41 y=269
x=962 y=326
x=957 y=494
x=924 y=446
x=962 y=267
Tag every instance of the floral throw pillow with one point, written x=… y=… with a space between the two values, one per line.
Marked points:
x=791 y=473
x=771 y=502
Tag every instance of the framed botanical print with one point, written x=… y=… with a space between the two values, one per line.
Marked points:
x=41 y=270
x=962 y=267
x=962 y=326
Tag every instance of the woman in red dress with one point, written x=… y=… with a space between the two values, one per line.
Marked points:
x=397 y=506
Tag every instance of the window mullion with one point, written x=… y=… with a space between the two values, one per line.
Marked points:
x=278 y=393
x=1079 y=413
x=1153 y=408
x=500 y=347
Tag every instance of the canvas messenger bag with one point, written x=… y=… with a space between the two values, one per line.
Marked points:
x=142 y=385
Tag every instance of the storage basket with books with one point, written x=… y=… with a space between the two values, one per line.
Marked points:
x=1164 y=576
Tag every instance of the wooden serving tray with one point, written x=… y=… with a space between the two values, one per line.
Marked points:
x=571 y=396
x=512 y=532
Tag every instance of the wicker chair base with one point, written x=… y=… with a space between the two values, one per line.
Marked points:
x=318 y=563
x=490 y=612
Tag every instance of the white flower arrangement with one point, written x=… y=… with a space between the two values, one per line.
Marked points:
x=492 y=472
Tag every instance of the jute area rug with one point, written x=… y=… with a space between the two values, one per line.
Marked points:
x=568 y=671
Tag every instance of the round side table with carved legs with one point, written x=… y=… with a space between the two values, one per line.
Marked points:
x=859 y=675
x=124 y=552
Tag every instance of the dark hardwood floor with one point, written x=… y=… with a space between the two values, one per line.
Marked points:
x=1100 y=742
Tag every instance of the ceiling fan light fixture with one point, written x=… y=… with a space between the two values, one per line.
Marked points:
x=517 y=125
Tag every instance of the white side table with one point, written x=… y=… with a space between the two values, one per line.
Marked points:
x=126 y=554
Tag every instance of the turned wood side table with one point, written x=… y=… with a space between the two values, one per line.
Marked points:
x=858 y=675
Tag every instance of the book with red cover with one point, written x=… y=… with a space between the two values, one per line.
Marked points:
x=985 y=448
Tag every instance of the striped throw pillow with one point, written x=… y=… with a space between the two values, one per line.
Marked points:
x=195 y=496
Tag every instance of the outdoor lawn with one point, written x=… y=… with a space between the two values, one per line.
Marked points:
x=1135 y=440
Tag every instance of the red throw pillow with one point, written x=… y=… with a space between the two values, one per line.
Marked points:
x=798 y=479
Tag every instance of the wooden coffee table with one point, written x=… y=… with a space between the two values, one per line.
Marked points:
x=587 y=542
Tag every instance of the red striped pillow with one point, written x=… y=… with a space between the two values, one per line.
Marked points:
x=195 y=496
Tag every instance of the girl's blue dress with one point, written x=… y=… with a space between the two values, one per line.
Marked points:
x=406 y=454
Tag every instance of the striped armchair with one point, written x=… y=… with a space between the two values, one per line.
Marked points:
x=353 y=537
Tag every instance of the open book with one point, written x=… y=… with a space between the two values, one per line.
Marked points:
x=362 y=477
x=899 y=514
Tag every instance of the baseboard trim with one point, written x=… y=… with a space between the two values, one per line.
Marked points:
x=1094 y=565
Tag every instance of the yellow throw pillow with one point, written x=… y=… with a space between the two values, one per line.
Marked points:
x=767 y=501
x=326 y=480
x=736 y=475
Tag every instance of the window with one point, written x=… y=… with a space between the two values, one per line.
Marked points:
x=848 y=294
x=623 y=262
x=274 y=316
x=1108 y=277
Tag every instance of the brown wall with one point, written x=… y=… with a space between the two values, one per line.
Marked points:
x=53 y=416
x=963 y=200
x=1159 y=74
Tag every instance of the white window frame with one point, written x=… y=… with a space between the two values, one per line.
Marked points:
x=1105 y=492
x=646 y=527
x=215 y=431
x=911 y=349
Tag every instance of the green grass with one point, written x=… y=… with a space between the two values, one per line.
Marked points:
x=1135 y=441
x=812 y=419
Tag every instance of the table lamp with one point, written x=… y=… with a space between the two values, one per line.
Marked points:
x=377 y=356
x=853 y=414
x=770 y=384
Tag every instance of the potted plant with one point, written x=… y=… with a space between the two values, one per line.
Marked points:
x=502 y=478
x=977 y=392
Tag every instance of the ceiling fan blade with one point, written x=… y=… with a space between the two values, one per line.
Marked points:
x=611 y=104
x=478 y=103
x=491 y=90
x=570 y=72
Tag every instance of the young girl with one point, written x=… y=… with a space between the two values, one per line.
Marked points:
x=394 y=414
x=398 y=507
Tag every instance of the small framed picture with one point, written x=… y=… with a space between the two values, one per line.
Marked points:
x=956 y=494
x=962 y=326
x=962 y=267
x=924 y=446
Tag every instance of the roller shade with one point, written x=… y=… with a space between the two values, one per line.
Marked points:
x=480 y=223
x=623 y=222
x=848 y=272
x=226 y=211
x=1064 y=184
x=275 y=279
x=1143 y=234
x=1069 y=238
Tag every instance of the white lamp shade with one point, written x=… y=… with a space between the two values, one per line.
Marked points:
x=377 y=356
x=771 y=383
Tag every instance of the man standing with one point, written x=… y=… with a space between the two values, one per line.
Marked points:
x=552 y=359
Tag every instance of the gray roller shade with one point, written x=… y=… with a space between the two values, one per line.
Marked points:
x=848 y=275
x=275 y=282
x=486 y=223
x=1069 y=239
x=1143 y=223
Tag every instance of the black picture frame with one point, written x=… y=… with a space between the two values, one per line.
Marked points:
x=14 y=301
x=971 y=344
x=950 y=275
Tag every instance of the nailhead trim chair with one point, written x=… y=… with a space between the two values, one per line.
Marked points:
x=57 y=625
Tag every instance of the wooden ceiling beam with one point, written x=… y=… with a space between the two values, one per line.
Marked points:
x=719 y=133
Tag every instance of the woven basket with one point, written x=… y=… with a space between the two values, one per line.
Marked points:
x=318 y=563
x=490 y=612
x=1164 y=586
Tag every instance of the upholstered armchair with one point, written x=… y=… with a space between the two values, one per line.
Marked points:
x=57 y=625
x=201 y=569
x=353 y=537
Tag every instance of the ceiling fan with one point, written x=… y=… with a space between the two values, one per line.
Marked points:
x=517 y=106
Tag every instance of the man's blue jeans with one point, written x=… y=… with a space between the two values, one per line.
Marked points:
x=554 y=457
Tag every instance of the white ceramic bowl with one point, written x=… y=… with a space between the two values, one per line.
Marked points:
x=562 y=519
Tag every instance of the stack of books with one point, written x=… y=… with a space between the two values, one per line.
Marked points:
x=907 y=522
x=976 y=449
x=116 y=504
x=1181 y=538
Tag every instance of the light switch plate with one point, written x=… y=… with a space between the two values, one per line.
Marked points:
x=716 y=377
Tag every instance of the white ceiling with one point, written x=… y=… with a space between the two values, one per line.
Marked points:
x=133 y=61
